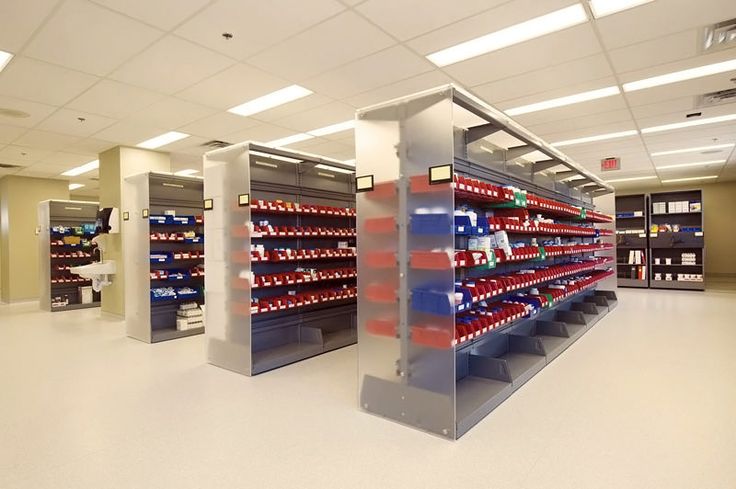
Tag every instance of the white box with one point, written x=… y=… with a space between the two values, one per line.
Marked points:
x=668 y=261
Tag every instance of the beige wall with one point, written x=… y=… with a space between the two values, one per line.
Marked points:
x=720 y=259
x=19 y=258
x=117 y=164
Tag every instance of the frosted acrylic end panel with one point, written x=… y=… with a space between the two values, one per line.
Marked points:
x=406 y=309
x=226 y=182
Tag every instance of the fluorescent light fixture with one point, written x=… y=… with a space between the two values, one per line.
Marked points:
x=333 y=168
x=682 y=125
x=674 y=180
x=685 y=165
x=531 y=29
x=87 y=167
x=698 y=149
x=631 y=179
x=296 y=138
x=601 y=8
x=600 y=137
x=562 y=101
x=679 y=76
x=75 y=186
x=334 y=128
x=5 y=58
x=186 y=173
x=271 y=100
x=275 y=157
x=162 y=140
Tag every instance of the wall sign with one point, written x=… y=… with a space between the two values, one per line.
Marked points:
x=364 y=183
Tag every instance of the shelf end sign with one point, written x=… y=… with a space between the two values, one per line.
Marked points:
x=610 y=164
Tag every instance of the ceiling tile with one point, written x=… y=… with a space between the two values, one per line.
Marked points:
x=578 y=124
x=402 y=88
x=183 y=144
x=261 y=133
x=19 y=19
x=90 y=145
x=410 y=18
x=41 y=171
x=219 y=125
x=66 y=121
x=326 y=46
x=552 y=78
x=113 y=99
x=646 y=54
x=665 y=107
x=130 y=132
x=19 y=155
x=171 y=113
x=232 y=87
x=164 y=14
x=171 y=65
x=583 y=109
x=569 y=89
x=36 y=112
x=34 y=80
x=84 y=36
x=306 y=103
x=551 y=50
x=325 y=115
x=67 y=160
x=506 y=15
x=255 y=24
x=45 y=140
x=383 y=68
x=657 y=19
x=8 y=134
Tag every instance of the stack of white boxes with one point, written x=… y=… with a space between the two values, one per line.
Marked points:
x=189 y=316
x=688 y=259
x=659 y=208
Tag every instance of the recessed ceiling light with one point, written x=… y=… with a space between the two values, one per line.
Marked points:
x=295 y=138
x=87 y=167
x=696 y=122
x=678 y=76
x=632 y=179
x=75 y=186
x=162 y=140
x=601 y=8
x=5 y=58
x=271 y=100
x=697 y=163
x=673 y=180
x=562 y=101
x=600 y=137
x=333 y=168
x=186 y=173
x=334 y=128
x=533 y=28
x=694 y=150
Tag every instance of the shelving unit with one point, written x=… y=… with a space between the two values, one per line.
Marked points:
x=676 y=240
x=632 y=243
x=65 y=231
x=450 y=323
x=281 y=271
x=164 y=257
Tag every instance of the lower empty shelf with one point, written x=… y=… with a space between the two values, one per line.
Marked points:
x=476 y=397
x=283 y=355
x=631 y=282
x=677 y=284
x=165 y=334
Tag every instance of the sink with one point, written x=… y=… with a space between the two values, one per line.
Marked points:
x=98 y=272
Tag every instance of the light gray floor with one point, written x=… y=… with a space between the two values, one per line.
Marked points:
x=646 y=399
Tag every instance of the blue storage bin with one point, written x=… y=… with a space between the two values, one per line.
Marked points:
x=160 y=219
x=463 y=226
x=161 y=257
x=482 y=229
x=431 y=302
x=183 y=220
x=186 y=295
x=430 y=224
x=161 y=298
x=176 y=276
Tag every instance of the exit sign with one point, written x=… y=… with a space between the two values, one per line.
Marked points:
x=608 y=164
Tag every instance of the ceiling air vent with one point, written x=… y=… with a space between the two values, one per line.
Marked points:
x=216 y=143
x=717 y=98
x=719 y=36
x=8 y=166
